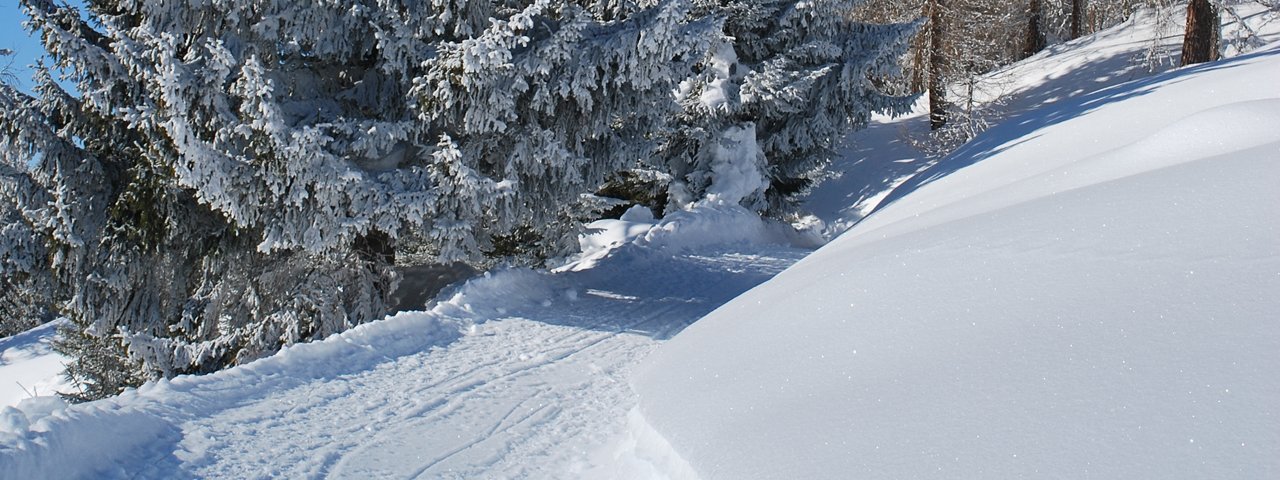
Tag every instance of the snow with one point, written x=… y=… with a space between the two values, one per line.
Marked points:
x=718 y=93
x=515 y=374
x=876 y=160
x=737 y=171
x=871 y=163
x=706 y=226
x=1086 y=290
x=29 y=367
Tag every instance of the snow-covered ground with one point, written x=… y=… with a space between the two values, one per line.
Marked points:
x=1087 y=290
x=29 y=367
x=517 y=374
x=875 y=160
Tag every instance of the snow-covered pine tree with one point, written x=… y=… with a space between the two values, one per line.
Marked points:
x=233 y=176
x=552 y=102
x=790 y=79
x=25 y=280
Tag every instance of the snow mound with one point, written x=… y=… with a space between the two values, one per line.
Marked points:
x=702 y=227
x=1086 y=291
x=1218 y=130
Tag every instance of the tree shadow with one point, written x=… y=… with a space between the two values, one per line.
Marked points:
x=1069 y=95
x=634 y=290
x=869 y=163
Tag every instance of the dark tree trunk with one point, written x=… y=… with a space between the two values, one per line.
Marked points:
x=937 y=62
x=1077 y=18
x=1035 y=32
x=1201 y=42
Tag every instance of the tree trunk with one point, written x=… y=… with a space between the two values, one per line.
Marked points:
x=1201 y=41
x=1077 y=18
x=1035 y=33
x=920 y=60
x=937 y=61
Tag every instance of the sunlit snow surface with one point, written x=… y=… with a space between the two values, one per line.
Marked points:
x=29 y=367
x=1089 y=290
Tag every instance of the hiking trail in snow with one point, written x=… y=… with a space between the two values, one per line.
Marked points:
x=519 y=374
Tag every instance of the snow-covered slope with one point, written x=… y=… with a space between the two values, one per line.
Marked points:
x=1089 y=290
x=879 y=158
x=29 y=367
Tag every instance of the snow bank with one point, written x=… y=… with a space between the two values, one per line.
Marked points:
x=704 y=226
x=640 y=453
x=103 y=437
x=114 y=437
x=1087 y=291
x=653 y=277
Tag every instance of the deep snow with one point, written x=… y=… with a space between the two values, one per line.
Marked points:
x=1088 y=290
x=1081 y=292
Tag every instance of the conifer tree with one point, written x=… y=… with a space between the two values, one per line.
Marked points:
x=770 y=102
x=235 y=176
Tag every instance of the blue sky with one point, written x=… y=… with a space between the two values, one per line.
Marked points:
x=13 y=37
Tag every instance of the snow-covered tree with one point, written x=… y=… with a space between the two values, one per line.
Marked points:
x=549 y=104
x=790 y=78
x=235 y=176
x=24 y=278
x=25 y=281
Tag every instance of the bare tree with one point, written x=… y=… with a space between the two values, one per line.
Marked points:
x=6 y=66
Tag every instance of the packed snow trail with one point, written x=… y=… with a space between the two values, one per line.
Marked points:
x=519 y=374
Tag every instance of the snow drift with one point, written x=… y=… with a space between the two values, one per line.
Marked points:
x=1086 y=291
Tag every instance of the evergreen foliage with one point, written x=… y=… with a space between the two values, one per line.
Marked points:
x=233 y=177
x=791 y=78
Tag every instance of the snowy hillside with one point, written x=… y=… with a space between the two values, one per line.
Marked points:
x=1087 y=291
x=879 y=158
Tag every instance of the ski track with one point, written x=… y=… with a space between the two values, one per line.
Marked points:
x=522 y=395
